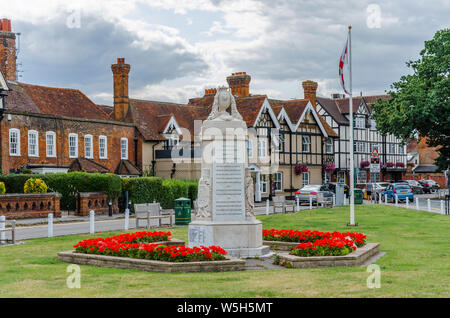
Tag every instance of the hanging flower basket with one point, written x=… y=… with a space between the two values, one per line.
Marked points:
x=364 y=164
x=399 y=164
x=389 y=164
x=330 y=167
x=300 y=168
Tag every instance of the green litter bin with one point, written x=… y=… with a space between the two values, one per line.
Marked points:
x=182 y=208
x=359 y=195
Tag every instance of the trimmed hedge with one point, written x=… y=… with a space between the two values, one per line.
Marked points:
x=68 y=184
x=164 y=191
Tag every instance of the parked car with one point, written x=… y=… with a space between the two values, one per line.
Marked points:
x=380 y=187
x=399 y=189
x=311 y=191
x=416 y=187
x=429 y=186
x=331 y=186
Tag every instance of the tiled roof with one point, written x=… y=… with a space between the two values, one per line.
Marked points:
x=249 y=107
x=151 y=117
x=87 y=165
x=107 y=109
x=421 y=168
x=126 y=168
x=338 y=107
x=52 y=101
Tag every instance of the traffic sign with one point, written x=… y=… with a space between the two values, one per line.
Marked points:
x=374 y=161
x=375 y=153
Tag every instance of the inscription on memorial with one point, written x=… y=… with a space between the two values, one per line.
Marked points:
x=228 y=192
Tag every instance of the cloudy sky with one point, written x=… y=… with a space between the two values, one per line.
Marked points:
x=177 y=48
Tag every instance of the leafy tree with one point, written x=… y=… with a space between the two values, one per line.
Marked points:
x=419 y=102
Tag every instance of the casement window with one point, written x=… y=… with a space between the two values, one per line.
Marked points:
x=305 y=178
x=306 y=144
x=360 y=122
x=373 y=124
x=262 y=148
x=124 y=148
x=278 y=181
x=359 y=146
x=361 y=177
x=88 y=148
x=102 y=147
x=401 y=149
x=250 y=148
x=50 y=141
x=341 y=176
x=33 y=143
x=329 y=145
x=14 y=142
x=73 y=146
x=281 y=143
x=173 y=141
x=391 y=148
x=263 y=183
x=374 y=177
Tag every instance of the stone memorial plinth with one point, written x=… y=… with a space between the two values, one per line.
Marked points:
x=225 y=205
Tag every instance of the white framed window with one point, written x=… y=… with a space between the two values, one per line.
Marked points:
x=391 y=148
x=329 y=145
x=124 y=148
x=33 y=143
x=374 y=177
x=279 y=143
x=88 y=149
x=305 y=178
x=250 y=148
x=373 y=124
x=173 y=141
x=401 y=149
x=359 y=146
x=360 y=122
x=50 y=142
x=262 y=148
x=306 y=144
x=73 y=146
x=278 y=181
x=361 y=177
x=14 y=142
x=102 y=147
x=263 y=183
x=341 y=176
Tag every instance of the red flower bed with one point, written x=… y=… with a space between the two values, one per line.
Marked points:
x=333 y=246
x=310 y=236
x=138 y=245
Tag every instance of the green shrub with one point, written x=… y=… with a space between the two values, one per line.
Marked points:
x=2 y=188
x=33 y=185
x=68 y=184
x=143 y=190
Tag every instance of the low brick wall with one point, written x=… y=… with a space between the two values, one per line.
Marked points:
x=230 y=264
x=439 y=178
x=97 y=201
x=32 y=205
x=280 y=246
x=355 y=258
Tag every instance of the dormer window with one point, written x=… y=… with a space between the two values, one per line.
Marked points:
x=173 y=140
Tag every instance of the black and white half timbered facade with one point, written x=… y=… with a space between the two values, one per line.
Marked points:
x=392 y=152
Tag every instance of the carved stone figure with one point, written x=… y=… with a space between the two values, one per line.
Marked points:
x=222 y=101
x=249 y=194
x=203 y=197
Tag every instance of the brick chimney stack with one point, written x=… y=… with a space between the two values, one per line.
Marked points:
x=121 y=100
x=7 y=50
x=239 y=84
x=309 y=90
x=210 y=91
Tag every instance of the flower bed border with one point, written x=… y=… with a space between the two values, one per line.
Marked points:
x=229 y=264
x=355 y=258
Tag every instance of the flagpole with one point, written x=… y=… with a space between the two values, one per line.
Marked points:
x=352 y=164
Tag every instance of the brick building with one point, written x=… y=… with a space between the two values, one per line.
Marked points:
x=49 y=129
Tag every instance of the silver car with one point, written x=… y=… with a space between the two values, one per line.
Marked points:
x=311 y=191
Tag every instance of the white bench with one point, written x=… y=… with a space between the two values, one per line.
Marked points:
x=280 y=203
x=150 y=211
x=12 y=229
x=324 y=201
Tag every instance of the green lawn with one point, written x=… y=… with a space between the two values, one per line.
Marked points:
x=417 y=264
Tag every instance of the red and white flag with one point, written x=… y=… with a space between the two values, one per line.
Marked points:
x=342 y=62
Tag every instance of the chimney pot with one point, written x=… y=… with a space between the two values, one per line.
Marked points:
x=309 y=90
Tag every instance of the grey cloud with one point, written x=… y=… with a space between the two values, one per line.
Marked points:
x=53 y=54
